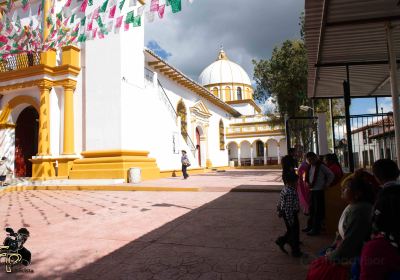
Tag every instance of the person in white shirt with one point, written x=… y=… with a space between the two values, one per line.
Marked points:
x=4 y=170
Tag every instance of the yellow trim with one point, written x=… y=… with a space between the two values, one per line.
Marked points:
x=71 y=56
x=253 y=133
x=99 y=188
x=69 y=132
x=113 y=164
x=44 y=118
x=48 y=58
x=248 y=101
x=7 y=109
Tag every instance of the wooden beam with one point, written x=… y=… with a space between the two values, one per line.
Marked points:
x=160 y=66
x=152 y=63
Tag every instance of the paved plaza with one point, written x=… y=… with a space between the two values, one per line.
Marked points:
x=152 y=235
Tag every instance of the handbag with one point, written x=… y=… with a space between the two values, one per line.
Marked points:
x=323 y=269
x=186 y=163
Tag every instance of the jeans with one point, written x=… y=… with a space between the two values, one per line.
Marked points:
x=317 y=210
x=184 y=172
x=292 y=234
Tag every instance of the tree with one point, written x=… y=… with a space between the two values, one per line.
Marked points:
x=284 y=77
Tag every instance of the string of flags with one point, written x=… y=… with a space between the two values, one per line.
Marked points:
x=72 y=23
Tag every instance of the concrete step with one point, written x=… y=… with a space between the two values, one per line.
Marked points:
x=64 y=182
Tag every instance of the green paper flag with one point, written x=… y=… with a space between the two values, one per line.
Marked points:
x=137 y=21
x=82 y=38
x=99 y=22
x=72 y=18
x=59 y=16
x=103 y=7
x=168 y=2
x=83 y=21
x=90 y=2
x=130 y=17
x=121 y=4
x=176 y=5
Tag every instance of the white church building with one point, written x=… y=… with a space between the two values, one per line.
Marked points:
x=96 y=111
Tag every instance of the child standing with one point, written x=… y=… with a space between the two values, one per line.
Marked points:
x=288 y=209
x=4 y=170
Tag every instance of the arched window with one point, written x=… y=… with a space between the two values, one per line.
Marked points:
x=260 y=149
x=215 y=91
x=239 y=93
x=227 y=94
x=181 y=110
x=221 y=135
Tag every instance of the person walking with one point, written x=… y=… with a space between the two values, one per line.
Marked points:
x=185 y=164
x=318 y=178
x=4 y=170
x=289 y=164
x=288 y=209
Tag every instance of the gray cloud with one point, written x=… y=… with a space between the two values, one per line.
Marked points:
x=247 y=29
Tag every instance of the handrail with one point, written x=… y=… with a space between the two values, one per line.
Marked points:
x=19 y=61
x=189 y=141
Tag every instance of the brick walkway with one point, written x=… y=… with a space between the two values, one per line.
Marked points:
x=152 y=235
x=235 y=179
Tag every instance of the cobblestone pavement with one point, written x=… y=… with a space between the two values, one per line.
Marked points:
x=152 y=235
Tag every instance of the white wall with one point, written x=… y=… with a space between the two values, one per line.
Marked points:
x=245 y=109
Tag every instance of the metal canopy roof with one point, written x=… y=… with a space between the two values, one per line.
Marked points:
x=353 y=33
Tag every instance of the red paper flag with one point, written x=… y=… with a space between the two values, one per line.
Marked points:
x=126 y=26
x=84 y=6
x=68 y=3
x=112 y=11
x=161 y=10
x=154 y=6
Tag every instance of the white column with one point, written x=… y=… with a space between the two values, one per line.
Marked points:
x=239 y=164
x=278 y=151
x=251 y=155
x=322 y=134
x=394 y=89
x=265 y=154
x=155 y=79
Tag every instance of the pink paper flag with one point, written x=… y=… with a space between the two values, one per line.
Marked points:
x=112 y=11
x=26 y=7
x=84 y=6
x=126 y=26
x=68 y=3
x=95 y=13
x=94 y=34
x=161 y=10
x=90 y=25
x=39 y=9
x=118 y=22
x=154 y=6
x=101 y=35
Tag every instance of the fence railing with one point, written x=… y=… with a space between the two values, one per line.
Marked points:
x=19 y=61
x=372 y=137
x=164 y=97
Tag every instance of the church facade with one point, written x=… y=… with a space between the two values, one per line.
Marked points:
x=94 y=112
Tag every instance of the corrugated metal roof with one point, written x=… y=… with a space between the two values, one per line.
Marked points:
x=349 y=31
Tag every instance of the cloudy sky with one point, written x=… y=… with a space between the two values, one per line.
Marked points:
x=190 y=40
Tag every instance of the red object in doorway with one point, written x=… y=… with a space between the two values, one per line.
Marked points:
x=26 y=138
x=198 y=145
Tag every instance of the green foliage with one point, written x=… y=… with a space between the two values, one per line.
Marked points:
x=284 y=76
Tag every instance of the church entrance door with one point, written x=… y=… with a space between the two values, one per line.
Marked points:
x=198 y=145
x=26 y=141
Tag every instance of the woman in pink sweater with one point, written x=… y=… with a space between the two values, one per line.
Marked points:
x=380 y=257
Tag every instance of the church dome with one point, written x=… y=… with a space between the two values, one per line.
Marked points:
x=224 y=71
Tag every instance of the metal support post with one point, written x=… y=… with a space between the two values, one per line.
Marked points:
x=347 y=101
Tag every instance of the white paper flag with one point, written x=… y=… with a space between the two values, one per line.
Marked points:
x=132 y=3
x=140 y=10
x=149 y=16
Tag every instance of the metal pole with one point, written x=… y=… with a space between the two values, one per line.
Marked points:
x=288 y=145
x=383 y=135
x=332 y=124
x=347 y=101
x=394 y=89
x=376 y=105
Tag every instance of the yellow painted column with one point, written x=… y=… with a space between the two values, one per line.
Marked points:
x=44 y=118
x=46 y=8
x=69 y=143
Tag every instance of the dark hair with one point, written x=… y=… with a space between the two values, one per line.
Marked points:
x=385 y=170
x=291 y=150
x=23 y=231
x=183 y=151
x=310 y=155
x=332 y=158
x=290 y=177
x=386 y=214
x=364 y=184
x=3 y=158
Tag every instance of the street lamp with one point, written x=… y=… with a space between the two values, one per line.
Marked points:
x=306 y=108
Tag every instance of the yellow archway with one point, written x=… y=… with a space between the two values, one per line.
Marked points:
x=22 y=99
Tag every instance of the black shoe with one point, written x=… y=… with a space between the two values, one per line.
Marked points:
x=281 y=246
x=313 y=233
x=307 y=229
x=297 y=254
